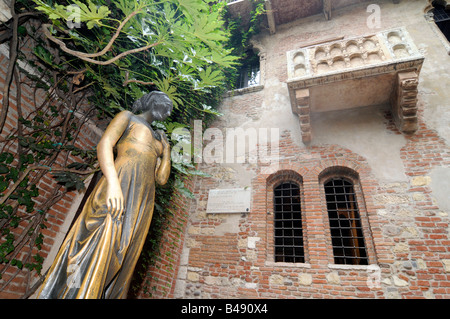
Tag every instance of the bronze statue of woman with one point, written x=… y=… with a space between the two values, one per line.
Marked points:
x=99 y=254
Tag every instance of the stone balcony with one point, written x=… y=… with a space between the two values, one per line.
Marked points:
x=376 y=69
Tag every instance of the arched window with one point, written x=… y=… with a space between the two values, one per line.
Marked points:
x=346 y=231
x=441 y=16
x=437 y=14
x=288 y=231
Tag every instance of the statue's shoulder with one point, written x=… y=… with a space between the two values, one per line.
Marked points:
x=123 y=116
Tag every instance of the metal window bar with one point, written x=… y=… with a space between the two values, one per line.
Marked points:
x=345 y=225
x=288 y=231
x=442 y=19
x=440 y=14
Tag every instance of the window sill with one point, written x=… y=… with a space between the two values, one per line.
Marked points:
x=287 y=265
x=351 y=267
x=250 y=89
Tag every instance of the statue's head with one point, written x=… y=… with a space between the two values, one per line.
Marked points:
x=156 y=102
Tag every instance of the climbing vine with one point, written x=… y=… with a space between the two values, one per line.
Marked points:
x=241 y=32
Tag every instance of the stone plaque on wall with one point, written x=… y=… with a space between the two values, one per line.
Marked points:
x=235 y=200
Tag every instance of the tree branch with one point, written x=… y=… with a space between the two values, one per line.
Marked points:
x=135 y=81
x=12 y=63
x=88 y=56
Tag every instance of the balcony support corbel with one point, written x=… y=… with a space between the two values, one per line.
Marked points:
x=303 y=110
x=404 y=101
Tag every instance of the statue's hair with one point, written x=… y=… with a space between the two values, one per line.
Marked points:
x=149 y=101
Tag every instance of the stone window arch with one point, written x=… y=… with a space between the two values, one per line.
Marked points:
x=286 y=222
x=348 y=228
x=252 y=71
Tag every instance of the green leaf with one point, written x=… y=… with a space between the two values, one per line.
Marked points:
x=206 y=27
x=9 y=158
x=69 y=180
x=22 y=30
x=17 y=263
x=210 y=110
x=179 y=186
x=78 y=165
x=44 y=55
x=191 y=7
x=91 y=14
x=209 y=78
x=58 y=12
x=3 y=186
x=165 y=86
x=4 y=169
x=172 y=126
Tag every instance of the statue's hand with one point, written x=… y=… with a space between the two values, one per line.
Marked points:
x=114 y=200
x=164 y=141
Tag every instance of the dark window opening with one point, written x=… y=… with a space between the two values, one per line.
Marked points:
x=249 y=73
x=288 y=231
x=441 y=16
x=345 y=224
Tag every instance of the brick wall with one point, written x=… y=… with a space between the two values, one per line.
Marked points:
x=159 y=279
x=59 y=216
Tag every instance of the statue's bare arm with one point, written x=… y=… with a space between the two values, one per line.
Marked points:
x=114 y=197
x=163 y=169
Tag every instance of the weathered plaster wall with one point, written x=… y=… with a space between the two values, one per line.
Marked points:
x=363 y=130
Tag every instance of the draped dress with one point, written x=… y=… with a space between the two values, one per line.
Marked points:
x=99 y=254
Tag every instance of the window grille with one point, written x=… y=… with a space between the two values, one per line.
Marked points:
x=441 y=17
x=288 y=232
x=345 y=224
x=440 y=14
